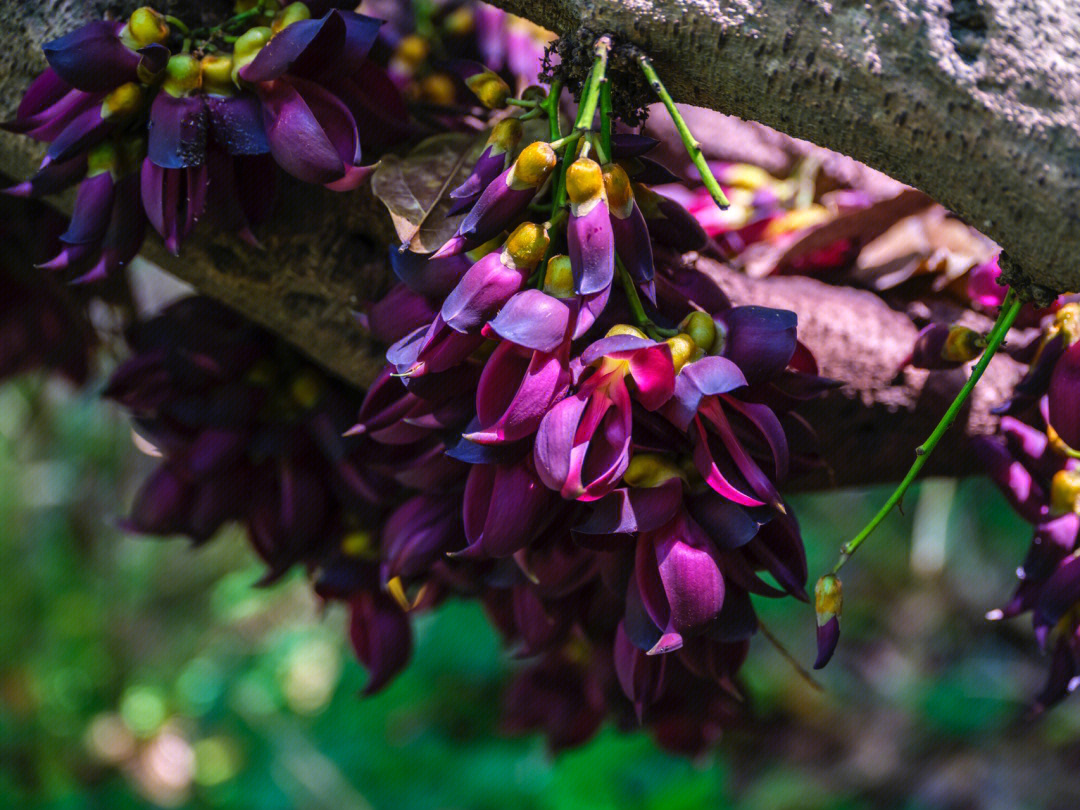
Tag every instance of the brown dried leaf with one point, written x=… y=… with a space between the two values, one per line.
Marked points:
x=415 y=188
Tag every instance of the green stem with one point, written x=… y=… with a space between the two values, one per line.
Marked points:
x=178 y=24
x=1010 y=308
x=522 y=102
x=590 y=95
x=641 y=319
x=605 y=119
x=693 y=148
x=551 y=105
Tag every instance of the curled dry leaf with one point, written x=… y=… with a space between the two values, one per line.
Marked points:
x=415 y=188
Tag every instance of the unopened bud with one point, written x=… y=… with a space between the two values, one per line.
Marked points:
x=505 y=135
x=534 y=92
x=828 y=602
x=701 y=328
x=489 y=88
x=683 y=350
x=625 y=329
x=1065 y=492
x=584 y=181
x=125 y=100
x=247 y=47
x=294 y=12
x=527 y=245
x=438 y=88
x=617 y=187
x=459 y=22
x=412 y=51
x=147 y=27
x=217 y=75
x=359 y=544
x=1067 y=322
x=962 y=344
x=559 y=277
x=183 y=75
x=306 y=388
x=104 y=157
x=648 y=470
x=534 y=164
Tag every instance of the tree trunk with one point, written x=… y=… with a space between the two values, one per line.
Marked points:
x=969 y=111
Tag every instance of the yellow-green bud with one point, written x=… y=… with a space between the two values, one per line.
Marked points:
x=489 y=88
x=720 y=341
x=459 y=22
x=527 y=245
x=294 y=12
x=438 y=88
x=359 y=544
x=559 y=277
x=625 y=329
x=534 y=164
x=146 y=27
x=648 y=470
x=534 y=92
x=700 y=327
x=505 y=135
x=480 y=251
x=620 y=196
x=683 y=350
x=1065 y=492
x=828 y=598
x=183 y=75
x=412 y=51
x=306 y=389
x=104 y=157
x=1067 y=322
x=962 y=344
x=247 y=47
x=217 y=75
x=584 y=181
x=125 y=100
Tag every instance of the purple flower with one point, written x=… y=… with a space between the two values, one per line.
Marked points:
x=589 y=234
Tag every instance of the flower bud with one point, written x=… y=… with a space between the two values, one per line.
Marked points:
x=620 y=196
x=505 y=135
x=828 y=603
x=489 y=88
x=625 y=329
x=412 y=51
x=559 y=277
x=534 y=92
x=247 y=47
x=459 y=22
x=962 y=344
x=584 y=181
x=527 y=245
x=183 y=75
x=146 y=27
x=102 y=158
x=533 y=165
x=650 y=470
x=683 y=350
x=438 y=88
x=1065 y=492
x=359 y=544
x=701 y=328
x=1067 y=322
x=294 y=12
x=306 y=389
x=217 y=75
x=123 y=101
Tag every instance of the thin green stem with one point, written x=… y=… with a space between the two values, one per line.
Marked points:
x=551 y=105
x=641 y=319
x=522 y=102
x=605 y=119
x=590 y=94
x=178 y=24
x=1010 y=308
x=693 y=148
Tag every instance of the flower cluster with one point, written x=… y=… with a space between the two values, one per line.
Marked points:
x=247 y=430
x=1042 y=482
x=159 y=123
x=620 y=429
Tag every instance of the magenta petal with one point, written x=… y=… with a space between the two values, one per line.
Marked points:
x=621 y=346
x=498 y=206
x=484 y=288
x=503 y=508
x=653 y=373
x=706 y=377
x=516 y=389
x=556 y=461
x=93 y=209
x=1064 y=397
x=693 y=587
x=706 y=465
x=1012 y=478
x=488 y=167
x=533 y=319
x=92 y=58
x=591 y=245
x=304 y=48
x=297 y=139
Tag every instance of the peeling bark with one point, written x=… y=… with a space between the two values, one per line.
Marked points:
x=982 y=116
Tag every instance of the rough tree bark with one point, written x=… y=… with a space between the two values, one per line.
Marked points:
x=975 y=105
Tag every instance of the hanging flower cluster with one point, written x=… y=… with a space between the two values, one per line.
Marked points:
x=160 y=123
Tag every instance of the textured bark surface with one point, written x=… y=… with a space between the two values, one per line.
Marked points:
x=969 y=117
x=974 y=102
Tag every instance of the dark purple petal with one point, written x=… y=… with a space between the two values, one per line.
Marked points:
x=759 y=340
x=828 y=635
x=419 y=532
x=381 y=636
x=177 y=133
x=1061 y=592
x=485 y=287
x=92 y=58
x=707 y=465
x=428 y=276
x=1063 y=397
x=634 y=245
x=298 y=141
x=236 y=124
x=503 y=509
x=93 y=209
x=727 y=525
x=1037 y=379
x=641 y=676
x=632 y=509
x=397 y=314
x=630 y=144
x=85 y=130
x=488 y=167
x=305 y=48
x=498 y=206
x=591 y=245
x=361 y=31
x=51 y=178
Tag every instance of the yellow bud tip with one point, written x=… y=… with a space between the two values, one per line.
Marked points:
x=102 y=158
x=438 y=88
x=124 y=100
x=412 y=50
x=397 y=590
x=701 y=328
x=828 y=596
x=217 y=74
x=648 y=470
x=1067 y=321
x=625 y=329
x=962 y=344
x=505 y=134
x=357 y=544
x=147 y=27
x=489 y=88
x=306 y=389
x=617 y=187
x=559 y=277
x=584 y=180
x=494 y=243
x=183 y=75
x=459 y=22
x=683 y=350
x=294 y=12
x=251 y=42
x=527 y=245
x=1065 y=492
x=534 y=164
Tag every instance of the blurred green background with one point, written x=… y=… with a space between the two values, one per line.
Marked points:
x=142 y=673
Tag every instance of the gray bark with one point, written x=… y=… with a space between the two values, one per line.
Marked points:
x=982 y=118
